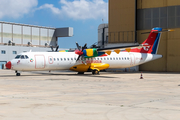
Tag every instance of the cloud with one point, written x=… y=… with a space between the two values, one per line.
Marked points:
x=80 y=9
x=16 y=8
x=51 y=7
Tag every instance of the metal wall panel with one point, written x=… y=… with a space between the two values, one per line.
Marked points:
x=17 y=34
x=7 y=33
x=165 y=17
x=35 y=36
x=26 y=35
x=44 y=35
x=52 y=38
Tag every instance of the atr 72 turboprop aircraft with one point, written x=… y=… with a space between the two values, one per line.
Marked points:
x=89 y=60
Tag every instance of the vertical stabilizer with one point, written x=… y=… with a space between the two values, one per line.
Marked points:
x=151 y=44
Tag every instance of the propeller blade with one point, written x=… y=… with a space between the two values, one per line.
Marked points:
x=57 y=48
x=78 y=58
x=85 y=46
x=79 y=48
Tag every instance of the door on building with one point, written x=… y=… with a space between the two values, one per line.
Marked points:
x=39 y=61
x=1 y=64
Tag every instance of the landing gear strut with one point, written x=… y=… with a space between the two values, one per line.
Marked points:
x=95 y=72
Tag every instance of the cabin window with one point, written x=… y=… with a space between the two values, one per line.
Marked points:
x=101 y=58
x=107 y=58
x=50 y=59
x=113 y=58
x=116 y=58
x=110 y=58
x=54 y=59
x=104 y=58
x=57 y=59
x=97 y=58
x=68 y=59
x=127 y=58
x=71 y=58
x=18 y=56
x=122 y=58
x=94 y=58
x=61 y=59
x=74 y=58
x=64 y=59
x=119 y=58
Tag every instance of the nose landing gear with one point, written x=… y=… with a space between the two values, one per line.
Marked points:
x=17 y=73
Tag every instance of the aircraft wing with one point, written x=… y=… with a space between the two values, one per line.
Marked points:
x=118 y=49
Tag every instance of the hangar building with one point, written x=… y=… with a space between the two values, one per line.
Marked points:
x=16 y=38
x=129 y=18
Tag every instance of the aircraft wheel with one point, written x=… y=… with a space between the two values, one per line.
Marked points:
x=95 y=72
x=80 y=73
x=18 y=74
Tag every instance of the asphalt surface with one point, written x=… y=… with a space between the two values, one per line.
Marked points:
x=108 y=96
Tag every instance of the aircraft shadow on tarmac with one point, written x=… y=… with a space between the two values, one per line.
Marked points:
x=55 y=74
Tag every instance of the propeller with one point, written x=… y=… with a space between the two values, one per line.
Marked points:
x=80 y=52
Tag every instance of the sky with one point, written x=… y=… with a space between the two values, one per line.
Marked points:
x=83 y=15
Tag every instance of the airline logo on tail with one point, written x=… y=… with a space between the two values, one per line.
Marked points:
x=147 y=47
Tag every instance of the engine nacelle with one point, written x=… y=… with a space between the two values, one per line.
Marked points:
x=88 y=53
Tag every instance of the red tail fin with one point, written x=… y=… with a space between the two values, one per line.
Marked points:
x=151 y=42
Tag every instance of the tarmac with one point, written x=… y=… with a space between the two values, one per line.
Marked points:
x=108 y=96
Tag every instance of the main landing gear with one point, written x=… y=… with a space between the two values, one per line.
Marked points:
x=95 y=72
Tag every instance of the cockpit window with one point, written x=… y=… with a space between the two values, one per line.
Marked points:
x=18 y=56
x=26 y=57
x=22 y=57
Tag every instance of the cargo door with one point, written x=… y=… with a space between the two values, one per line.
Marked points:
x=39 y=62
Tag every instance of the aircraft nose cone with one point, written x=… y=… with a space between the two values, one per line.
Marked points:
x=8 y=65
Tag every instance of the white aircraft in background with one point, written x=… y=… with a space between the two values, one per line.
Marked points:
x=89 y=60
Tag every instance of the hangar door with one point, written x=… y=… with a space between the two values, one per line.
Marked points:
x=39 y=62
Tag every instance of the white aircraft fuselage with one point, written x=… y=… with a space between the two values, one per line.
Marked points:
x=39 y=61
